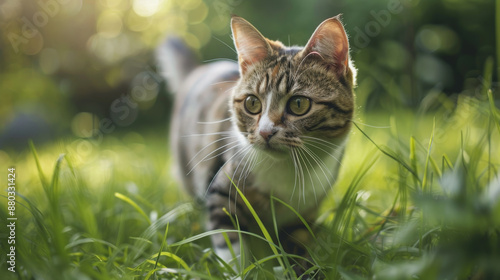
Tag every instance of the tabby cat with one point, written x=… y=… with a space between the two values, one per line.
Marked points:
x=275 y=123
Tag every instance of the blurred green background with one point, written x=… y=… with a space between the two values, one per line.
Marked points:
x=80 y=69
x=418 y=195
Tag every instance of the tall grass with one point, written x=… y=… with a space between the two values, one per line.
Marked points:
x=417 y=200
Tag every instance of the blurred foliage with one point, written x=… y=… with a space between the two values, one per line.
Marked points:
x=62 y=57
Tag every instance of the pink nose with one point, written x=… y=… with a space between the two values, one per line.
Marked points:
x=267 y=134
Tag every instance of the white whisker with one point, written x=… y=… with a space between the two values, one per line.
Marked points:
x=208 y=145
x=238 y=167
x=368 y=125
x=323 y=150
x=318 y=163
x=251 y=162
x=301 y=177
x=214 y=122
x=225 y=44
x=296 y=171
x=221 y=153
x=294 y=77
x=221 y=147
x=231 y=88
x=233 y=177
x=304 y=158
x=322 y=141
x=223 y=82
x=242 y=150
x=214 y=133
x=219 y=59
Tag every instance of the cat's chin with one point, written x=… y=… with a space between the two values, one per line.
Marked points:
x=274 y=152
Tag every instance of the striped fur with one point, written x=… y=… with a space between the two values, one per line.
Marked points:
x=276 y=152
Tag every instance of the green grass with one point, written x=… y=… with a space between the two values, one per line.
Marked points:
x=417 y=198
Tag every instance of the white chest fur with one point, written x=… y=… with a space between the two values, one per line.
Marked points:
x=303 y=178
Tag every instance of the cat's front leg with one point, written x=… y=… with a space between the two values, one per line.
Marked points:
x=226 y=213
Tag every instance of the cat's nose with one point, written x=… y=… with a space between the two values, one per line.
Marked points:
x=267 y=134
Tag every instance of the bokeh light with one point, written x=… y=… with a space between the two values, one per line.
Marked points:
x=109 y=24
x=84 y=125
x=438 y=38
x=198 y=14
x=111 y=3
x=49 y=61
x=202 y=32
x=137 y=23
x=146 y=8
x=10 y=9
x=189 y=4
x=71 y=8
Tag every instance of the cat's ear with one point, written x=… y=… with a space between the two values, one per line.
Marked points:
x=329 y=42
x=251 y=46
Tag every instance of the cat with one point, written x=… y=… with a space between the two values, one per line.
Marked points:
x=273 y=124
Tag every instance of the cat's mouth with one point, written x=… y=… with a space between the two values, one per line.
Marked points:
x=276 y=148
x=276 y=151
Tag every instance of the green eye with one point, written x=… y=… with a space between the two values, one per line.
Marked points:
x=253 y=105
x=299 y=105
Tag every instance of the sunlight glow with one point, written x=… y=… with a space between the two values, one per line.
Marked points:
x=146 y=8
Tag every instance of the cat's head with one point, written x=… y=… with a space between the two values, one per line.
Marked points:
x=286 y=95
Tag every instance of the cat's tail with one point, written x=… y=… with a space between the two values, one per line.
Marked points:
x=176 y=61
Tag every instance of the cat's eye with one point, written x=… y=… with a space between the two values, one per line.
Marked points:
x=253 y=105
x=299 y=105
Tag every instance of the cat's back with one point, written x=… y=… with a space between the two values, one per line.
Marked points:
x=200 y=119
x=206 y=81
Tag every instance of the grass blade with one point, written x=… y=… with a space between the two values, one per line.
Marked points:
x=273 y=198
x=413 y=158
x=173 y=257
x=404 y=164
x=276 y=231
x=217 y=231
x=494 y=111
x=236 y=224
x=164 y=240
x=263 y=260
x=133 y=204
x=429 y=148
x=488 y=76
x=43 y=179
x=54 y=185
x=267 y=236
x=497 y=16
